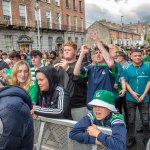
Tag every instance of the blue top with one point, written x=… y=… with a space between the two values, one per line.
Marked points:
x=16 y=119
x=99 y=77
x=115 y=142
x=117 y=80
x=137 y=78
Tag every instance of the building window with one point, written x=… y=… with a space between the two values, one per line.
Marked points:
x=68 y=22
x=7 y=11
x=76 y=40
x=38 y=17
x=58 y=21
x=80 y=6
x=67 y=3
x=48 y=19
x=75 y=23
x=9 y=42
x=23 y=16
x=57 y=2
x=69 y=39
x=74 y=4
x=82 y=25
x=82 y=41
x=50 y=43
x=48 y=1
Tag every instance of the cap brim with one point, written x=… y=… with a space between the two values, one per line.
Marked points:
x=97 y=102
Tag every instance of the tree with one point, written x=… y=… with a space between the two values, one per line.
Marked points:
x=148 y=38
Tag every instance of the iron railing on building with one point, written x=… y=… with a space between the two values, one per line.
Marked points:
x=7 y=21
x=22 y=22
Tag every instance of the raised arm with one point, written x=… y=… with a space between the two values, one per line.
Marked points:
x=106 y=55
x=84 y=50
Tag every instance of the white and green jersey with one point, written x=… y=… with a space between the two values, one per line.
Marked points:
x=33 y=72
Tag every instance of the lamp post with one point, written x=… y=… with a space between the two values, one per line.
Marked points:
x=122 y=29
x=38 y=24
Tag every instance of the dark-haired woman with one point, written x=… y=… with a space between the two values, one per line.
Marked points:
x=53 y=101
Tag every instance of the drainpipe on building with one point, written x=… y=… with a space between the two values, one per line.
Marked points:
x=38 y=24
x=122 y=29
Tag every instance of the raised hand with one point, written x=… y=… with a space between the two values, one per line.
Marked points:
x=85 y=49
x=94 y=35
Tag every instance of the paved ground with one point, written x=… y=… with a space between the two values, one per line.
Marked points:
x=139 y=136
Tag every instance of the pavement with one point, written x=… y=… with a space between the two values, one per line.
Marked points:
x=139 y=136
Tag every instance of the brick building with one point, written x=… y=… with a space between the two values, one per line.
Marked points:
x=142 y=28
x=58 y=21
x=112 y=33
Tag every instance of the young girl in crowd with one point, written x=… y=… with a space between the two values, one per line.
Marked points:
x=21 y=76
x=53 y=100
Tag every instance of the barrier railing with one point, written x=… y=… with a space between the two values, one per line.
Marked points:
x=52 y=134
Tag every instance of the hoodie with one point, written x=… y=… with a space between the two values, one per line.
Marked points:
x=55 y=102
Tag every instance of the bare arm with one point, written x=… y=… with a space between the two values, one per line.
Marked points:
x=84 y=50
x=134 y=94
x=145 y=92
x=94 y=36
x=5 y=77
x=123 y=83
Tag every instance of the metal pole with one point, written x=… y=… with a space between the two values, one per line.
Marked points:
x=38 y=25
x=122 y=29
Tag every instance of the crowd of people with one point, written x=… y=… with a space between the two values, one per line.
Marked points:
x=102 y=85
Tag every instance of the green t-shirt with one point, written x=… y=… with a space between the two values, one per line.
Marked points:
x=147 y=63
x=146 y=58
x=9 y=72
x=33 y=91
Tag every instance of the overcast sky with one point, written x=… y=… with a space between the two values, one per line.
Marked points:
x=112 y=10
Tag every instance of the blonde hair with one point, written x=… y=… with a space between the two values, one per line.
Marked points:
x=112 y=46
x=14 y=79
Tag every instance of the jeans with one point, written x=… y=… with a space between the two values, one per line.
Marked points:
x=144 y=112
x=120 y=104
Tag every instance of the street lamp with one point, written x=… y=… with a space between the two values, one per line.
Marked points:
x=38 y=24
x=122 y=29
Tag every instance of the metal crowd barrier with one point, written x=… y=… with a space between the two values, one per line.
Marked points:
x=52 y=134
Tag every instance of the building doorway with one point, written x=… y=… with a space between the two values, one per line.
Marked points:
x=59 y=43
x=25 y=43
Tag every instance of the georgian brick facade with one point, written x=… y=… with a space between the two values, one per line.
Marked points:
x=19 y=19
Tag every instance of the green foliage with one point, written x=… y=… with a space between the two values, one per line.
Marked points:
x=148 y=38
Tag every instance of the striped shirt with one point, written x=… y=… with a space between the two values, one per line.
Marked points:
x=33 y=72
x=51 y=110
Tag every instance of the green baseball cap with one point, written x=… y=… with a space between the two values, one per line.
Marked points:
x=104 y=98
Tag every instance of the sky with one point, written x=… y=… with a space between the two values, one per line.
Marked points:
x=112 y=10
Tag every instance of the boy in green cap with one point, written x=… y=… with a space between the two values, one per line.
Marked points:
x=103 y=114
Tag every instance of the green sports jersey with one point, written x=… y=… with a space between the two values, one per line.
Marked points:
x=33 y=91
x=9 y=72
x=146 y=58
x=33 y=72
x=147 y=63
